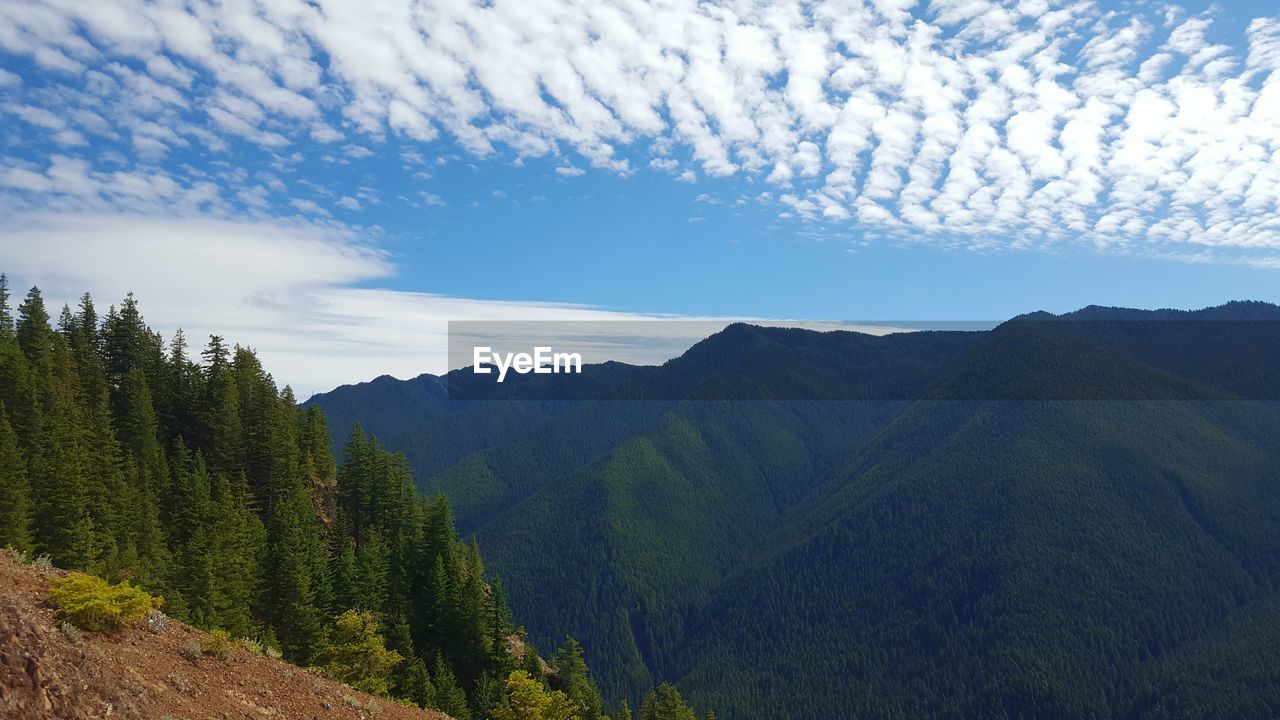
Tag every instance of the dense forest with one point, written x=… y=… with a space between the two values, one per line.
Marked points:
x=1064 y=517
x=205 y=483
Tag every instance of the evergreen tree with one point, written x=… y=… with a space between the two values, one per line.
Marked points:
x=450 y=698
x=178 y=392
x=355 y=654
x=220 y=433
x=527 y=699
x=573 y=678
x=238 y=539
x=146 y=476
x=58 y=463
x=190 y=506
x=665 y=703
x=15 y=494
x=35 y=337
x=291 y=590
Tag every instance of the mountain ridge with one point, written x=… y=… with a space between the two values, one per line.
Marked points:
x=747 y=496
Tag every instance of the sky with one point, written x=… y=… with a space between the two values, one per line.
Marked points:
x=332 y=181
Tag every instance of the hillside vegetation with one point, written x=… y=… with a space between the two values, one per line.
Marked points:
x=1068 y=516
x=205 y=485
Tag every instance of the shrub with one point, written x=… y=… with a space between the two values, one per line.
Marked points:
x=252 y=646
x=157 y=621
x=218 y=645
x=191 y=651
x=178 y=682
x=22 y=557
x=72 y=632
x=92 y=603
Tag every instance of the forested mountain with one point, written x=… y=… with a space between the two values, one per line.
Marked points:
x=1066 y=516
x=205 y=483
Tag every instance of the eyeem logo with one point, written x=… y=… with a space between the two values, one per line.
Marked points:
x=542 y=362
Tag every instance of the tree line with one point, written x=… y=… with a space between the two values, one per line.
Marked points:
x=205 y=483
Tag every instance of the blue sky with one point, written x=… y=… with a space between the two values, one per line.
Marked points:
x=335 y=180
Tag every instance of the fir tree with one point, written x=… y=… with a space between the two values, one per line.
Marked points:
x=15 y=494
x=450 y=698
x=35 y=337
x=573 y=678
x=665 y=703
x=355 y=654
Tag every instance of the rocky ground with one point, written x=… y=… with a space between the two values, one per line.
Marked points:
x=143 y=674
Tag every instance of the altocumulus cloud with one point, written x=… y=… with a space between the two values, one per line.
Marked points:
x=138 y=135
x=965 y=121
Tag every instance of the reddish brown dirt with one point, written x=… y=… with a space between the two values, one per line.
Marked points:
x=137 y=674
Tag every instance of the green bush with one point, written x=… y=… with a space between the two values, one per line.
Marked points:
x=91 y=603
x=218 y=645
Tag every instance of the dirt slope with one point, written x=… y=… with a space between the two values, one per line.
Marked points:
x=140 y=674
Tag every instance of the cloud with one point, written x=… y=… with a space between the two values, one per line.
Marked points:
x=295 y=292
x=289 y=290
x=309 y=206
x=971 y=122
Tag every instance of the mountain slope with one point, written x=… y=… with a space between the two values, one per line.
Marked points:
x=46 y=672
x=1032 y=574
x=1062 y=517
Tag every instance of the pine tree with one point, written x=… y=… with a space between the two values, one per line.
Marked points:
x=127 y=343
x=35 y=337
x=291 y=597
x=190 y=506
x=313 y=441
x=238 y=540
x=62 y=523
x=415 y=685
x=146 y=476
x=665 y=703
x=501 y=629
x=15 y=494
x=220 y=433
x=178 y=390
x=355 y=654
x=574 y=679
x=450 y=698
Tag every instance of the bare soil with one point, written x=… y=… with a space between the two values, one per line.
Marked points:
x=138 y=674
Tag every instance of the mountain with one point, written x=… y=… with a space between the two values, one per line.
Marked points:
x=1067 y=516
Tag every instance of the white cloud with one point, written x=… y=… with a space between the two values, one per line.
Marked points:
x=308 y=206
x=288 y=290
x=983 y=122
